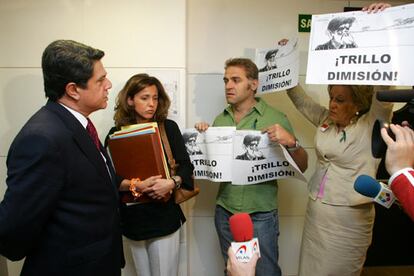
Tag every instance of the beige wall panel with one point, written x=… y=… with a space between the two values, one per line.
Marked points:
x=31 y=25
x=142 y=33
x=293 y=193
x=289 y=243
x=205 y=98
x=21 y=94
x=205 y=203
x=204 y=250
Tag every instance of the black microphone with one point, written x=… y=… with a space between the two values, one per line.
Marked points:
x=378 y=146
x=403 y=96
x=378 y=191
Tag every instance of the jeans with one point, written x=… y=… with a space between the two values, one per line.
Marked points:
x=266 y=229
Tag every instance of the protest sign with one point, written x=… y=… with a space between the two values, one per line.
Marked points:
x=278 y=67
x=257 y=159
x=214 y=149
x=242 y=157
x=361 y=48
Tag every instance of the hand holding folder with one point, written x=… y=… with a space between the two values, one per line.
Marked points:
x=137 y=152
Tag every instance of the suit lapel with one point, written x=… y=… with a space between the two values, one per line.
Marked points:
x=82 y=138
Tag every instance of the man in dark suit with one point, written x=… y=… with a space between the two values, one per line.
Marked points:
x=60 y=209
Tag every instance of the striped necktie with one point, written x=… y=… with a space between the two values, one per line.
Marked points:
x=90 y=128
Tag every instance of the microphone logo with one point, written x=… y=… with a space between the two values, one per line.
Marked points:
x=255 y=246
x=245 y=245
x=241 y=250
x=385 y=197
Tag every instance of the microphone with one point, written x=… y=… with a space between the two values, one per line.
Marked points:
x=402 y=95
x=378 y=146
x=244 y=245
x=378 y=191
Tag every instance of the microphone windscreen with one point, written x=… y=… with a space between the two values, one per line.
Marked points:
x=378 y=146
x=367 y=186
x=241 y=227
x=403 y=96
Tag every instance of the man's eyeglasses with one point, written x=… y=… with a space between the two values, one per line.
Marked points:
x=343 y=29
x=253 y=145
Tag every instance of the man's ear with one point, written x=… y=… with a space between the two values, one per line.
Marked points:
x=71 y=90
x=254 y=84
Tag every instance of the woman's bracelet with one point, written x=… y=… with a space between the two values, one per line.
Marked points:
x=133 y=187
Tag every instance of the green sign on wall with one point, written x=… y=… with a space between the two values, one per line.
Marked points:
x=304 y=23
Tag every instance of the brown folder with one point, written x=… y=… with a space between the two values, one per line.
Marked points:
x=137 y=152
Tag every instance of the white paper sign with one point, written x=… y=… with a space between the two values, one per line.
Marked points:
x=278 y=67
x=257 y=159
x=362 y=48
x=211 y=152
x=243 y=157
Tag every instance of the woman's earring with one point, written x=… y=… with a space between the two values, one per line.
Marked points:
x=357 y=113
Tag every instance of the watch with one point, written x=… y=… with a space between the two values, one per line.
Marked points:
x=295 y=147
x=177 y=185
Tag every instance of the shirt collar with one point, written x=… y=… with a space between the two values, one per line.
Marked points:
x=259 y=107
x=82 y=119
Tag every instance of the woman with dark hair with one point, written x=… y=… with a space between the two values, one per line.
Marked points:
x=152 y=228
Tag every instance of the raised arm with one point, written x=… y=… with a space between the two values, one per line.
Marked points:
x=313 y=111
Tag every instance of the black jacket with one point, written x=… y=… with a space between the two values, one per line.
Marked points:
x=60 y=209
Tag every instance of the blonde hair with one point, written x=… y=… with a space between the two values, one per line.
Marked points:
x=361 y=96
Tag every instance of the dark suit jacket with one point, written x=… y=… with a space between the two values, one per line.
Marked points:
x=60 y=209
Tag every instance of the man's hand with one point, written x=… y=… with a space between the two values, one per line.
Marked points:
x=278 y=134
x=376 y=7
x=283 y=42
x=201 y=126
x=236 y=268
x=400 y=153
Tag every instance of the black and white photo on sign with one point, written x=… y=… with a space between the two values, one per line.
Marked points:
x=339 y=34
x=250 y=149
x=215 y=152
x=191 y=144
x=264 y=161
x=278 y=67
x=361 y=48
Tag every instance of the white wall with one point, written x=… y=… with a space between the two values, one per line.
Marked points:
x=193 y=37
